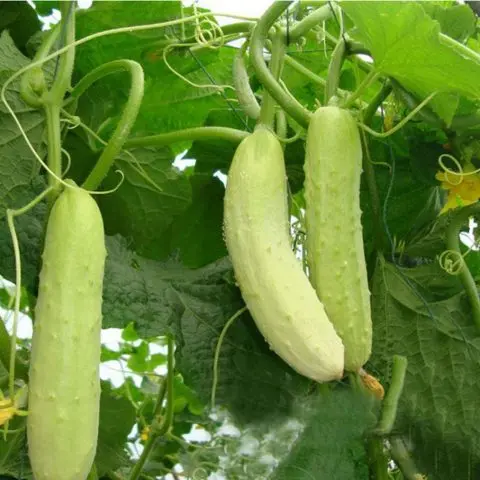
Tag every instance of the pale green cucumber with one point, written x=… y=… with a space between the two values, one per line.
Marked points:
x=64 y=386
x=276 y=291
x=335 y=253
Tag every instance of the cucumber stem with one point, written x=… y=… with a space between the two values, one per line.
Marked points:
x=259 y=35
x=303 y=26
x=403 y=460
x=52 y=100
x=267 y=112
x=334 y=70
x=453 y=243
x=125 y=124
x=390 y=403
x=188 y=134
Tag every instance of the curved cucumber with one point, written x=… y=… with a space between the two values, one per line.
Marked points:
x=278 y=294
x=64 y=388
x=336 y=259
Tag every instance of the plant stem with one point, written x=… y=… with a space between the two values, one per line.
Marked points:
x=303 y=26
x=188 y=134
x=403 y=460
x=267 y=112
x=334 y=70
x=453 y=243
x=379 y=236
x=54 y=97
x=390 y=403
x=378 y=461
x=162 y=428
x=291 y=62
x=367 y=81
x=459 y=48
x=54 y=144
x=245 y=96
x=63 y=75
x=411 y=102
x=125 y=124
x=257 y=42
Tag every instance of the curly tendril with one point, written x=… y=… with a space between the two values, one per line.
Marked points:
x=451 y=261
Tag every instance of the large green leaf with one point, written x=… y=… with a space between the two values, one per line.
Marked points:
x=117 y=417
x=170 y=103
x=437 y=409
x=197 y=233
x=325 y=451
x=195 y=305
x=405 y=44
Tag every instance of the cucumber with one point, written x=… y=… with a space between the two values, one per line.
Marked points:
x=276 y=291
x=64 y=385
x=335 y=255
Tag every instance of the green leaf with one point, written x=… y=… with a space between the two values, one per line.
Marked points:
x=197 y=233
x=195 y=305
x=141 y=210
x=138 y=359
x=156 y=360
x=117 y=417
x=13 y=452
x=456 y=21
x=107 y=354
x=413 y=199
x=129 y=333
x=412 y=55
x=187 y=106
x=45 y=7
x=442 y=345
x=19 y=183
x=21 y=21
x=332 y=444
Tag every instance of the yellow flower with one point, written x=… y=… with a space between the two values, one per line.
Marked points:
x=145 y=434
x=462 y=189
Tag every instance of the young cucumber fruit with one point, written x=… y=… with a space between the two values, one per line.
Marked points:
x=276 y=291
x=64 y=387
x=335 y=255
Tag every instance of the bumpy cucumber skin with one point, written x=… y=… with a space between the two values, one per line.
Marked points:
x=335 y=254
x=276 y=291
x=64 y=388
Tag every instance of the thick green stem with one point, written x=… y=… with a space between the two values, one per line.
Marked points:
x=267 y=112
x=369 y=171
x=459 y=48
x=246 y=98
x=53 y=99
x=63 y=76
x=377 y=460
x=453 y=243
x=259 y=35
x=390 y=403
x=159 y=428
x=291 y=62
x=402 y=458
x=334 y=70
x=188 y=134
x=303 y=26
x=54 y=145
x=126 y=121
x=367 y=81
